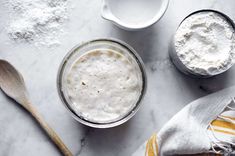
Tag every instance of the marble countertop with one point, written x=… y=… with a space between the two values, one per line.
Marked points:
x=168 y=90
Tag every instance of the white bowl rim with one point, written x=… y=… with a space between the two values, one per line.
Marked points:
x=107 y=14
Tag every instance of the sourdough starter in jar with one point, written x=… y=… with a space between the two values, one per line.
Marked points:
x=205 y=42
x=103 y=85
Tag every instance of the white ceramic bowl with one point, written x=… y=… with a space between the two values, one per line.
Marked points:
x=134 y=14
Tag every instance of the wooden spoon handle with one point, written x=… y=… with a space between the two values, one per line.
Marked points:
x=51 y=133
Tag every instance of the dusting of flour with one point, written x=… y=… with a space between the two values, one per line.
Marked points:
x=37 y=21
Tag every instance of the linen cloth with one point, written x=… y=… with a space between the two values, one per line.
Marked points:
x=205 y=126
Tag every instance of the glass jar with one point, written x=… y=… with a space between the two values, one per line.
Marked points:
x=75 y=53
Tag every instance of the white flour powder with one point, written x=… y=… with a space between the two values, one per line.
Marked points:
x=36 y=21
x=205 y=43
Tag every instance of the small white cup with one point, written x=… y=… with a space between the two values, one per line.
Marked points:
x=110 y=5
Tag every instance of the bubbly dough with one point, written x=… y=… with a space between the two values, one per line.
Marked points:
x=103 y=85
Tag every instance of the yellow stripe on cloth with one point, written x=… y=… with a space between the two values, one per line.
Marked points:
x=152 y=146
x=222 y=131
x=223 y=124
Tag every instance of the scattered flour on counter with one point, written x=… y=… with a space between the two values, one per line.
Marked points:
x=37 y=21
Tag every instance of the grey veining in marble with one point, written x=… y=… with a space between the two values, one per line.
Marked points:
x=168 y=90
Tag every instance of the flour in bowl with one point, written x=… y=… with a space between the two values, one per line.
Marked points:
x=205 y=43
x=103 y=85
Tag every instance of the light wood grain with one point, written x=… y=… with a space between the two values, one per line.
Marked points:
x=12 y=84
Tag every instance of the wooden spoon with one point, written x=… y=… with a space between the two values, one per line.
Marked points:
x=12 y=84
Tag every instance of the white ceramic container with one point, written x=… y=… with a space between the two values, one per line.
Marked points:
x=134 y=14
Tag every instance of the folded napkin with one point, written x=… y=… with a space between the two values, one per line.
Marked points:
x=206 y=125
